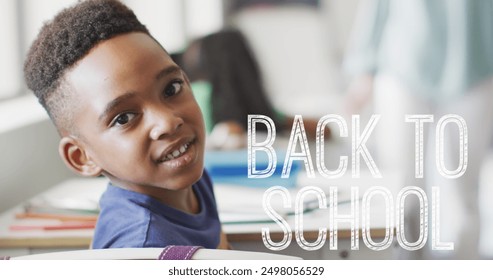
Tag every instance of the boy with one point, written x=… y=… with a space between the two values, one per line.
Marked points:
x=125 y=110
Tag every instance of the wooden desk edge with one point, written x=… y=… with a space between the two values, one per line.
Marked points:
x=309 y=235
x=85 y=242
x=65 y=242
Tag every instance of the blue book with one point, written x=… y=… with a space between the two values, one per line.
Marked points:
x=231 y=167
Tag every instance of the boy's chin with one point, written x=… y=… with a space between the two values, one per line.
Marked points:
x=184 y=182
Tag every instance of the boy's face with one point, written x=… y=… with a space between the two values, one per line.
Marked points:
x=136 y=117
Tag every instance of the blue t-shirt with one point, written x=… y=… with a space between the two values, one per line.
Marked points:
x=129 y=219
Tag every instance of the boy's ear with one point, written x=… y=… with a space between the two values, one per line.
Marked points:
x=75 y=157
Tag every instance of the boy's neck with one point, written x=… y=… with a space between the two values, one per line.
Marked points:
x=184 y=200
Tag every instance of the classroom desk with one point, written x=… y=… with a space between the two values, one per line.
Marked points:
x=248 y=236
x=242 y=235
x=31 y=240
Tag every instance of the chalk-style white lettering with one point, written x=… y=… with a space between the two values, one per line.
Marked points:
x=440 y=155
x=436 y=244
x=298 y=134
x=359 y=146
x=423 y=218
x=284 y=243
x=418 y=140
x=389 y=218
x=265 y=146
x=299 y=208
x=343 y=160
x=335 y=218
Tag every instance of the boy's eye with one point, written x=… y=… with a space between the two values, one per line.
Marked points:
x=174 y=88
x=122 y=119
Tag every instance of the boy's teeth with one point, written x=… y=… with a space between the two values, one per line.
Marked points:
x=177 y=153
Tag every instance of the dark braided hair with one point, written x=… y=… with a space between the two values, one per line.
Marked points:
x=67 y=39
x=225 y=59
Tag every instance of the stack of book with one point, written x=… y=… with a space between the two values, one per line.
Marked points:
x=61 y=214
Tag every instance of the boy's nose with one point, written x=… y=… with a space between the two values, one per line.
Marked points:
x=164 y=122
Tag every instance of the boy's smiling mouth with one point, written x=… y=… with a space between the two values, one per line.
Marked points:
x=175 y=153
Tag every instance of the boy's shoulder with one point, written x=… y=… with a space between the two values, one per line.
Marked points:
x=120 y=223
x=130 y=219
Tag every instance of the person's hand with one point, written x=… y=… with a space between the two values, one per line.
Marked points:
x=310 y=125
x=311 y=129
x=227 y=136
x=359 y=94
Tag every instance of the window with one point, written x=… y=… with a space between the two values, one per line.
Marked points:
x=10 y=55
x=174 y=22
x=171 y=22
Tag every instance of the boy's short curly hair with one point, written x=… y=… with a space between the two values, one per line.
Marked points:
x=65 y=40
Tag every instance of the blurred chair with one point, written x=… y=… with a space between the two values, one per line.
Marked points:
x=167 y=253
